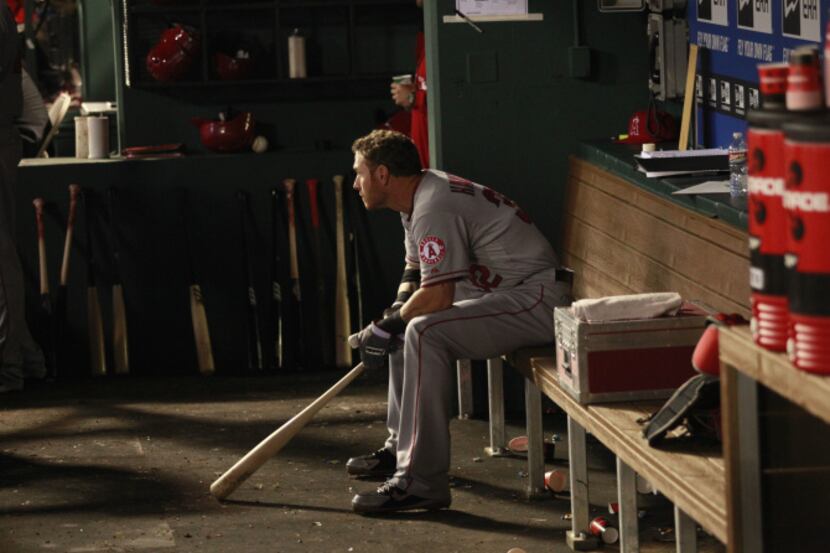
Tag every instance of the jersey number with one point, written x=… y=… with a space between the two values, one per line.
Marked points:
x=480 y=277
x=497 y=199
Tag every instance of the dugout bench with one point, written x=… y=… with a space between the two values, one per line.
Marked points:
x=625 y=234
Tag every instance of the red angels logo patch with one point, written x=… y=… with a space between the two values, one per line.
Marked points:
x=432 y=250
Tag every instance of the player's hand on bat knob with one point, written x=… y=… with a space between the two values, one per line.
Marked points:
x=374 y=344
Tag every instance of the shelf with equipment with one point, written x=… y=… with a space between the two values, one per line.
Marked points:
x=358 y=44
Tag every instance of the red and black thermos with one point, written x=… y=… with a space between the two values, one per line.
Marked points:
x=767 y=228
x=807 y=201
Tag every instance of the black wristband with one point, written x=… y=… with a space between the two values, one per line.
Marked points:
x=393 y=324
x=411 y=275
x=403 y=296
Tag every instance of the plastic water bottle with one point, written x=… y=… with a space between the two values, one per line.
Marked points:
x=737 y=165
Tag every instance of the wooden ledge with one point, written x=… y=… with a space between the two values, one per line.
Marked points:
x=774 y=370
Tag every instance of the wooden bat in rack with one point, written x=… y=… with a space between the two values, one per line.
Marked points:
x=294 y=267
x=201 y=331
x=276 y=288
x=95 y=326
x=120 y=347
x=270 y=446
x=60 y=302
x=254 y=337
x=322 y=304
x=342 y=320
x=358 y=286
x=45 y=298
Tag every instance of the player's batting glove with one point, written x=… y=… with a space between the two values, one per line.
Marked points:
x=374 y=346
x=379 y=339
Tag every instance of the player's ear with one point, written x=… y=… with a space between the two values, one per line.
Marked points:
x=383 y=174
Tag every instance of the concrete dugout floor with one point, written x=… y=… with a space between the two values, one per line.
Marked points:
x=124 y=465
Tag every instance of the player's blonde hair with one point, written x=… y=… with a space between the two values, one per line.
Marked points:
x=390 y=148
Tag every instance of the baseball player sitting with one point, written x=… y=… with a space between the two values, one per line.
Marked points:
x=480 y=280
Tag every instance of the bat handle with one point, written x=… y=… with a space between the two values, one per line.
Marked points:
x=312 y=201
x=289 y=185
x=74 y=191
x=41 y=245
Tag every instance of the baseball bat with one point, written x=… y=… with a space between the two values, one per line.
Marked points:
x=322 y=328
x=270 y=446
x=358 y=285
x=276 y=288
x=342 y=323
x=60 y=302
x=95 y=326
x=120 y=347
x=201 y=331
x=45 y=298
x=254 y=337
x=294 y=266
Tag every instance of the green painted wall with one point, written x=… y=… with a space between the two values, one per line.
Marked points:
x=508 y=116
x=98 y=55
x=508 y=112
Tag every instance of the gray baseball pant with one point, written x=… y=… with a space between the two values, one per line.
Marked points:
x=421 y=373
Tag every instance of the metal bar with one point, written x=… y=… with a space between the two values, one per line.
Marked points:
x=432 y=30
x=746 y=401
x=495 y=397
x=579 y=476
x=685 y=532
x=627 y=498
x=535 y=441
x=465 y=389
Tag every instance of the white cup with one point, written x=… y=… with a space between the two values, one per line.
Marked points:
x=296 y=56
x=99 y=137
x=81 y=137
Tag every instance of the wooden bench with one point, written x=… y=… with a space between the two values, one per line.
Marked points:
x=694 y=482
x=622 y=239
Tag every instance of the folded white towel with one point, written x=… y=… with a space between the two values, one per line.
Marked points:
x=634 y=306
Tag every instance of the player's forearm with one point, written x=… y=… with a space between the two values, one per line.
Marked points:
x=429 y=300
x=423 y=301
x=410 y=281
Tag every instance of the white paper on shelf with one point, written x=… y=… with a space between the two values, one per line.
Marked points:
x=708 y=187
x=683 y=153
x=491 y=7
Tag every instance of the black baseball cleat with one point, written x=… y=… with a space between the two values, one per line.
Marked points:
x=381 y=463
x=389 y=498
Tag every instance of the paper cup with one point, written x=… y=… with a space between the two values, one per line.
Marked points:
x=99 y=137
x=81 y=137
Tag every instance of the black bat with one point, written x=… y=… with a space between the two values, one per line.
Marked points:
x=60 y=301
x=45 y=298
x=294 y=271
x=358 y=287
x=95 y=326
x=120 y=348
x=254 y=336
x=276 y=288
x=326 y=343
x=198 y=313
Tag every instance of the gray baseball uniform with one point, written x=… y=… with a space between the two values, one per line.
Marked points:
x=505 y=292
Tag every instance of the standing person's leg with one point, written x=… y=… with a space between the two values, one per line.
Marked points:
x=21 y=355
x=11 y=374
